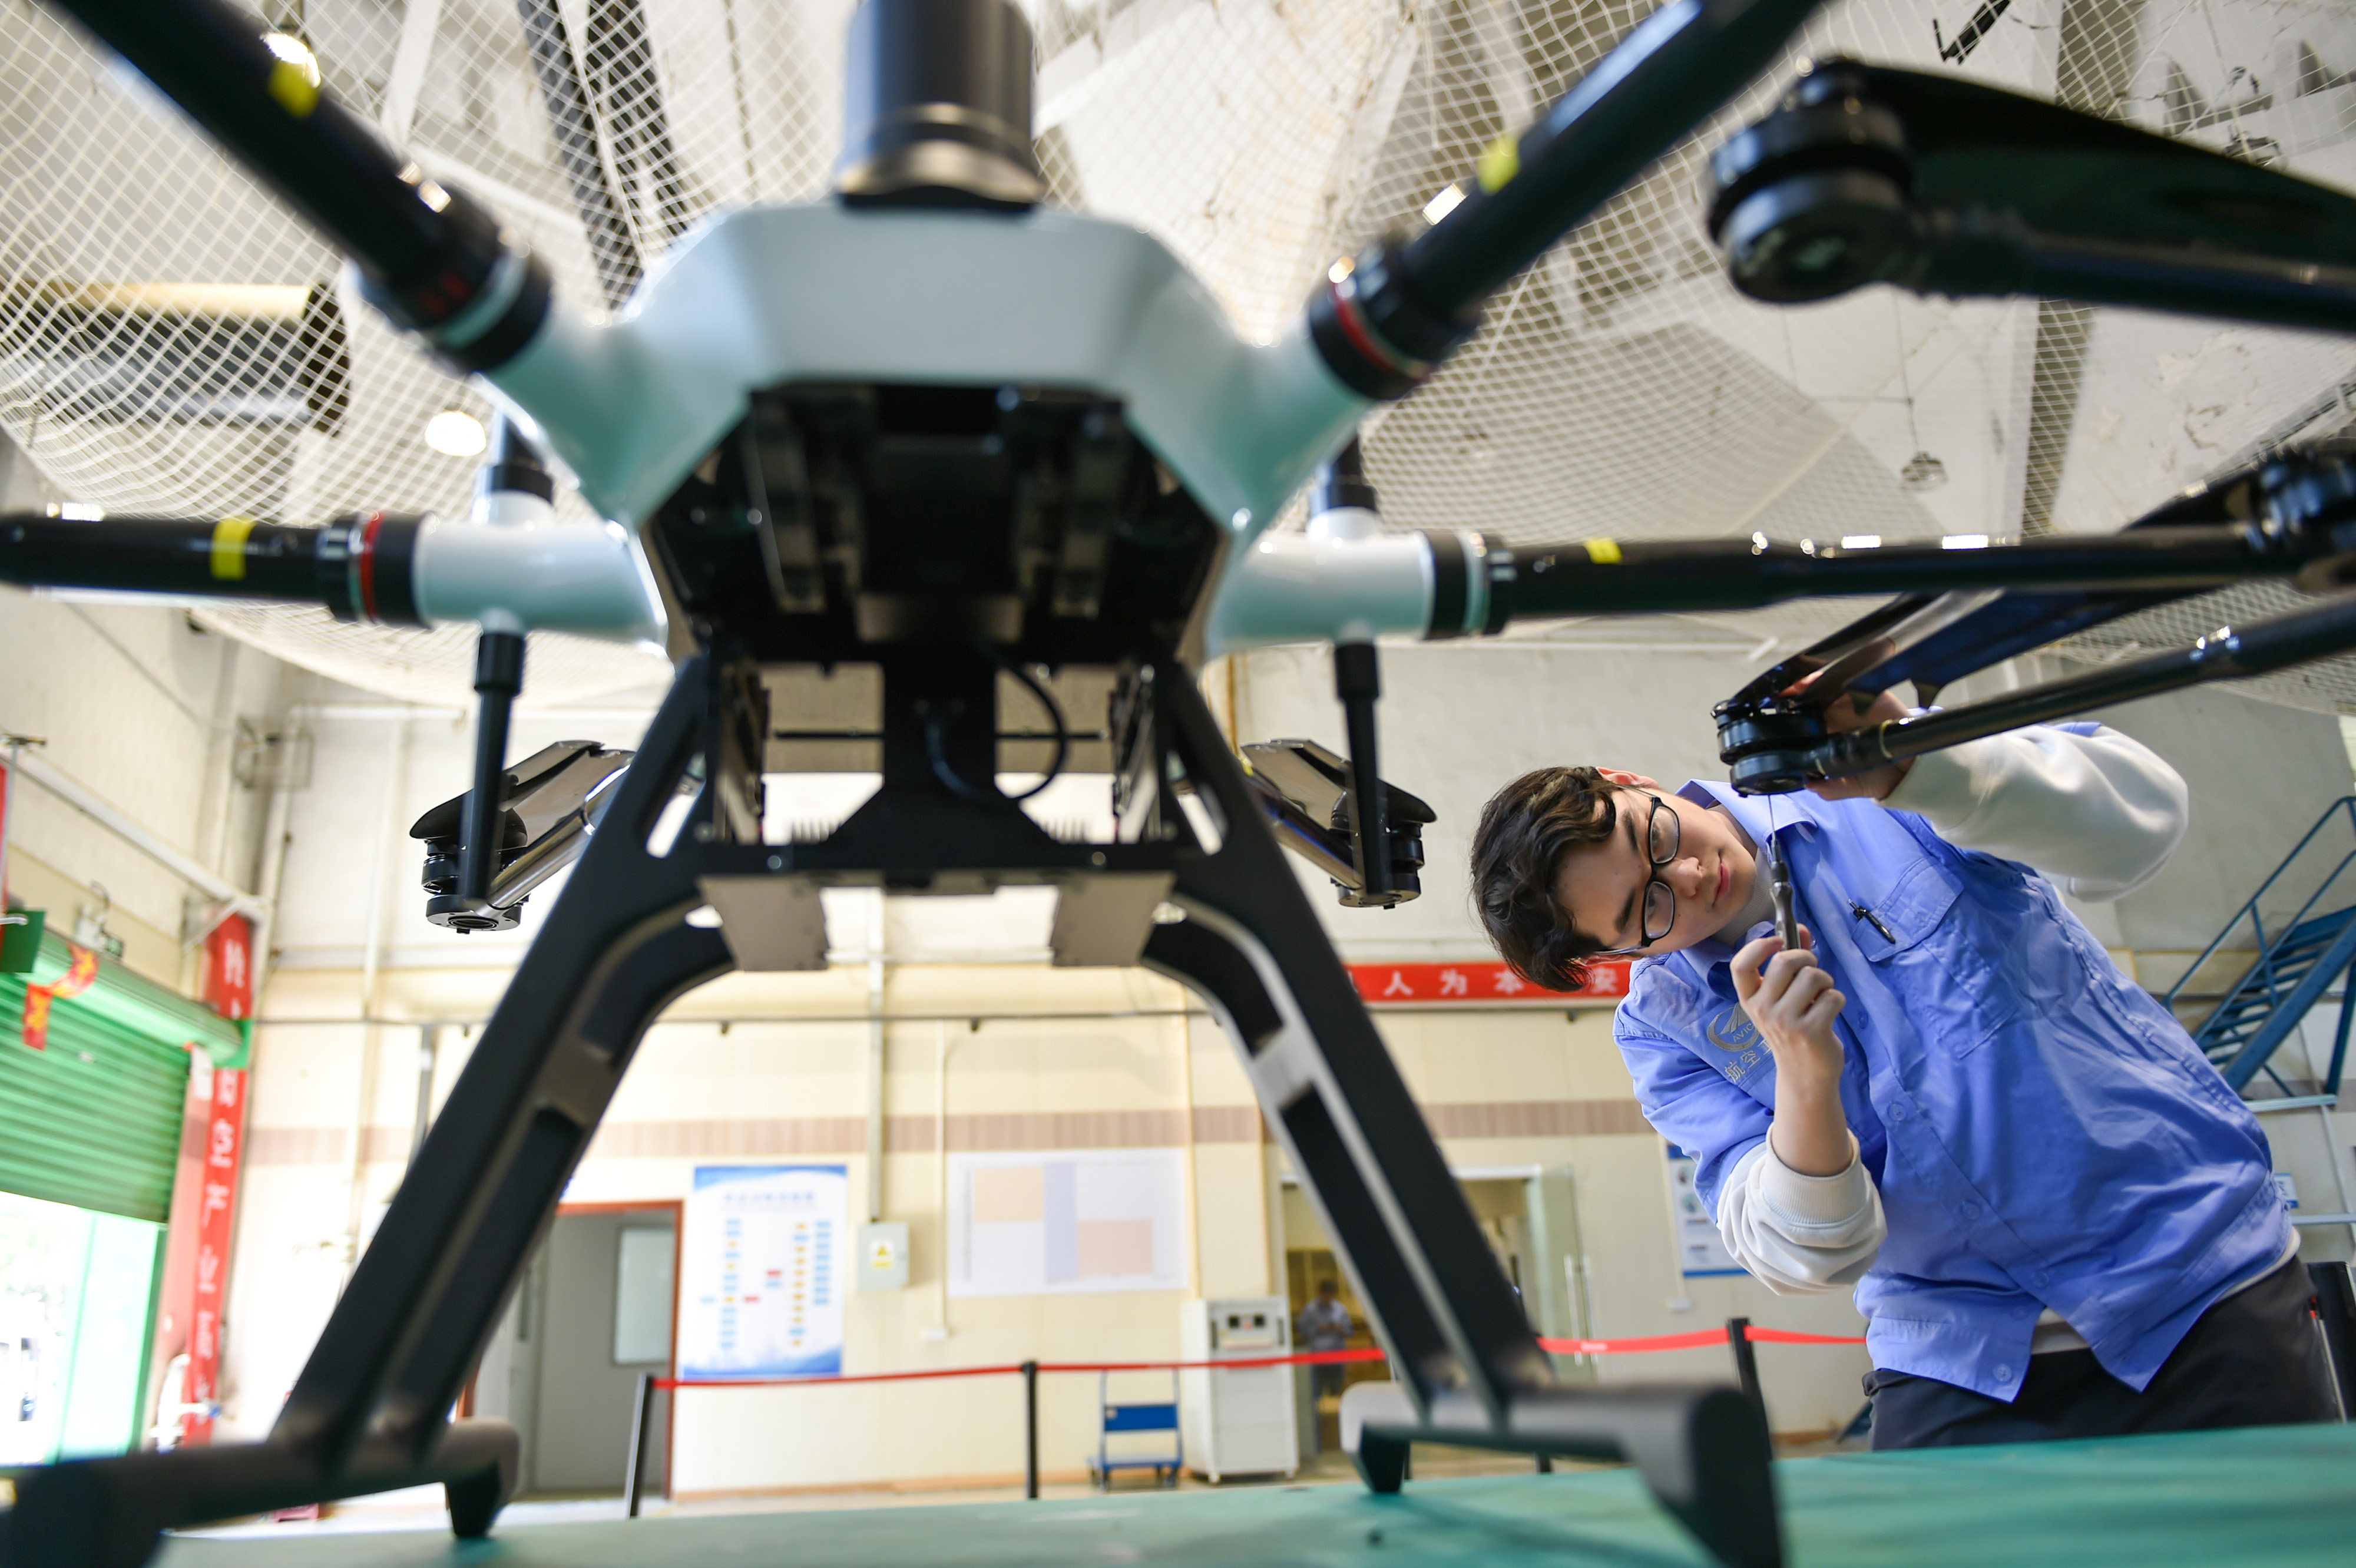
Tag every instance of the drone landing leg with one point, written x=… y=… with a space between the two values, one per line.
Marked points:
x=1470 y=1369
x=371 y=1411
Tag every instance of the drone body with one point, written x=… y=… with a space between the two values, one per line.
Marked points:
x=829 y=293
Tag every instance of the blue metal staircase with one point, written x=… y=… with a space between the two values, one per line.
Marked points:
x=2297 y=962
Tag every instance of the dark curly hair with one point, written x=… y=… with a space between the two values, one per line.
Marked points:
x=1526 y=830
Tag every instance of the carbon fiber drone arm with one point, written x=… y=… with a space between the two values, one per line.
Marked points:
x=389 y=568
x=435 y=261
x=1435 y=584
x=1874 y=173
x=1386 y=319
x=2296 y=510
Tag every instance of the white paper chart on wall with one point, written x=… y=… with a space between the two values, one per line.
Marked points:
x=761 y=1258
x=1051 y=1224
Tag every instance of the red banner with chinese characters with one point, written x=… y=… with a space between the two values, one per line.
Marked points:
x=1479 y=984
x=227 y=985
x=216 y=1208
x=81 y=974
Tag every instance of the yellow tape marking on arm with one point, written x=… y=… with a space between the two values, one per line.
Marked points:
x=1604 y=552
x=228 y=548
x=1501 y=160
x=291 y=87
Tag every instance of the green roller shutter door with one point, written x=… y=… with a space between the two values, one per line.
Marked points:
x=94 y=1120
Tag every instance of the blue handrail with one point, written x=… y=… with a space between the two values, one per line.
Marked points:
x=2262 y=973
x=2250 y=912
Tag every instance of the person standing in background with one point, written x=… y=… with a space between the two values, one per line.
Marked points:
x=1324 y=1325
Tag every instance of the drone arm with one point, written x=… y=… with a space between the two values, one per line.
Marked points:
x=1968 y=256
x=391 y=569
x=358 y=566
x=1293 y=587
x=590 y=580
x=430 y=259
x=1386 y=319
x=1603 y=576
x=1875 y=173
x=2227 y=654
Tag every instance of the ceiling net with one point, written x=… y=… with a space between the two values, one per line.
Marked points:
x=171 y=341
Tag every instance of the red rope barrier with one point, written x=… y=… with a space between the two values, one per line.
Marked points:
x=1011 y=1368
x=1306 y=1358
x=1634 y=1346
x=1693 y=1341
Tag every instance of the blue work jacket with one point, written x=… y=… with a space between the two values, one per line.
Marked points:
x=2043 y=1133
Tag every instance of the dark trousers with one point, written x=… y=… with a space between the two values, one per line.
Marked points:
x=2252 y=1359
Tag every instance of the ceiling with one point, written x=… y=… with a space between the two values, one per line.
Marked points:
x=1620 y=385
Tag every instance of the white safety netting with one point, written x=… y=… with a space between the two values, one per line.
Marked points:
x=1621 y=386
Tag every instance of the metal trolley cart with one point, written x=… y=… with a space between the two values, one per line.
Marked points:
x=1118 y=1420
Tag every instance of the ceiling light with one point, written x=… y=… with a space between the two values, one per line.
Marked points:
x=455 y=433
x=1922 y=472
x=294 y=52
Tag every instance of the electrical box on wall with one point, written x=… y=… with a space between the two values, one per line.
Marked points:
x=883 y=1255
x=1239 y=1422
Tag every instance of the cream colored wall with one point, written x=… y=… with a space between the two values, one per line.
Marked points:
x=779 y=1089
x=140 y=709
x=1504 y=1089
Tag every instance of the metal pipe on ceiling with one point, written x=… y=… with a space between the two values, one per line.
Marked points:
x=39 y=769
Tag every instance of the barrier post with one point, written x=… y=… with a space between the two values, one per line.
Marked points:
x=641 y=1426
x=1746 y=1359
x=2335 y=1312
x=1031 y=1430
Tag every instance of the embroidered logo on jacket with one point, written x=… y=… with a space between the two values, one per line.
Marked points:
x=1734 y=1033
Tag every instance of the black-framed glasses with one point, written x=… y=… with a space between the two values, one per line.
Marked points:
x=1664 y=833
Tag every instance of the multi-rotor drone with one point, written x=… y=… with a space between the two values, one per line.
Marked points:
x=932 y=431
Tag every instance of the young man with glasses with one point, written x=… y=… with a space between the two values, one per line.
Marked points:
x=2058 y=1220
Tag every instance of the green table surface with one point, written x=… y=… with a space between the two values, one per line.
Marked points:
x=2271 y=1496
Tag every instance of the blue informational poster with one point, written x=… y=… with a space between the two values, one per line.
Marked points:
x=1701 y=1248
x=764 y=1265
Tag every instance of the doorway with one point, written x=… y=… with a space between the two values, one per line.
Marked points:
x=1529 y=1217
x=594 y=1311
x=76 y=1305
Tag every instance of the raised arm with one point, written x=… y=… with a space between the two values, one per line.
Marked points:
x=2098 y=812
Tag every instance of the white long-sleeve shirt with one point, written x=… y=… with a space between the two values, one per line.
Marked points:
x=2099 y=815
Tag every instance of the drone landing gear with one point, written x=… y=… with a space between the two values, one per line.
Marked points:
x=370 y=1409
x=1469 y=1371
